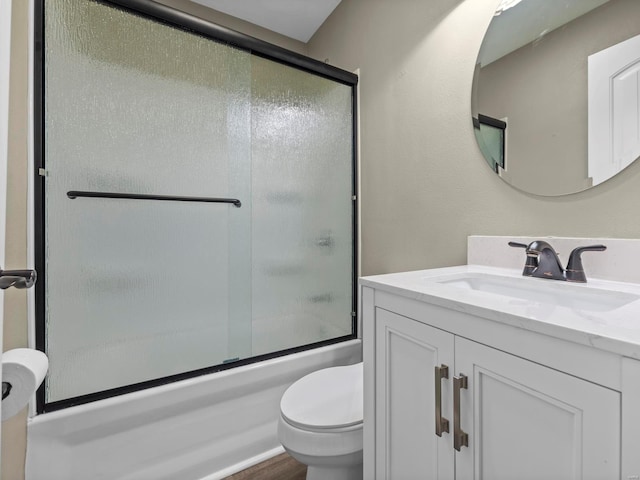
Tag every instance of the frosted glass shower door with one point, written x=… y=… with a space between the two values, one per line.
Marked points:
x=138 y=290
x=302 y=226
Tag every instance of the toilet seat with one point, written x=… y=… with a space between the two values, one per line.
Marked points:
x=328 y=400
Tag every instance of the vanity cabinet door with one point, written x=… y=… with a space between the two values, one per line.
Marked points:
x=527 y=421
x=406 y=444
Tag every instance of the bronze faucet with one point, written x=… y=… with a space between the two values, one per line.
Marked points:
x=543 y=261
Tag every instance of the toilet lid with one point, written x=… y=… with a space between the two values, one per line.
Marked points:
x=328 y=398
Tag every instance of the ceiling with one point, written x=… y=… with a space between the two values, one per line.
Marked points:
x=298 y=19
x=528 y=21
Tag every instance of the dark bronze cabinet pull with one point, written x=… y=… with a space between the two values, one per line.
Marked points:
x=460 y=438
x=442 y=424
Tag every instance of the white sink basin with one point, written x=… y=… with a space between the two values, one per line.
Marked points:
x=553 y=292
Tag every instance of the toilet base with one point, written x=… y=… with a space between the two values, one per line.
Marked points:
x=353 y=472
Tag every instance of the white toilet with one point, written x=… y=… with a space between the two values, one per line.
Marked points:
x=321 y=423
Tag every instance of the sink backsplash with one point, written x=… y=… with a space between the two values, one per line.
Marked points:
x=619 y=262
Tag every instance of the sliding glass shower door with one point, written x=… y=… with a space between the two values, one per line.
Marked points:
x=302 y=225
x=150 y=272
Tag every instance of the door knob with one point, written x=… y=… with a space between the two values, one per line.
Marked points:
x=17 y=278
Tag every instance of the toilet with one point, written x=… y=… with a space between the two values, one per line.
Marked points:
x=320 y=423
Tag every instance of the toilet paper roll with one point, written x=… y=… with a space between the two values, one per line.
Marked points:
x=24 y=369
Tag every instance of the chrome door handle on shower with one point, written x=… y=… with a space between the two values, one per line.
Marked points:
x=17 y=278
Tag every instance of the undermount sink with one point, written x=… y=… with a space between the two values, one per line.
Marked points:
x=552 y=292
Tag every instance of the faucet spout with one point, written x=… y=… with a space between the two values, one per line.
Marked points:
x=549 y=265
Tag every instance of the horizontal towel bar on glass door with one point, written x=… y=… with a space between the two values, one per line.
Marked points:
x=135 y=196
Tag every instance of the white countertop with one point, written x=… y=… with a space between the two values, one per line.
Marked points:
x=616 y=330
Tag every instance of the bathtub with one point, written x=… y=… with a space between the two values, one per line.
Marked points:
x=203 y=428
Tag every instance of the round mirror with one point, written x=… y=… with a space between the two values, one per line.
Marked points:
x=556 y=93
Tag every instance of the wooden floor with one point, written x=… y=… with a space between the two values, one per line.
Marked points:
x=281 y=467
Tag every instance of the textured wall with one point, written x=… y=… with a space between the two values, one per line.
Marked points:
x=425 y=185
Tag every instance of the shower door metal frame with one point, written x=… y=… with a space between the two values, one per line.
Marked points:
x=184 y=21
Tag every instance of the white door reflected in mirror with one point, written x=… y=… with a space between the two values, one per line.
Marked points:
x=614 y=109
x=532 y=76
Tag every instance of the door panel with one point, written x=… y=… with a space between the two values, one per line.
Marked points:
x=527 y=421
x=407 y=447
x=614 y=109
x=139 y=290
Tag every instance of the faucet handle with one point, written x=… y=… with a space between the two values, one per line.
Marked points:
x=575 y=270
x=532 y=260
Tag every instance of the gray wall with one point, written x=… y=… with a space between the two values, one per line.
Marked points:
x=425 y=185
x=542 y=89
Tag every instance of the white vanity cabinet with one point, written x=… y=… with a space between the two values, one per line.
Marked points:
x=523 y=405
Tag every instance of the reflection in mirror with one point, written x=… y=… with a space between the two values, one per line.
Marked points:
x=561 y=78
x=490 y=136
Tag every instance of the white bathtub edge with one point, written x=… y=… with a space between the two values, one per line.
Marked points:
x=204 y=428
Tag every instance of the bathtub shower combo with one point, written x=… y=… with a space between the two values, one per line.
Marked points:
x=195 y=233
